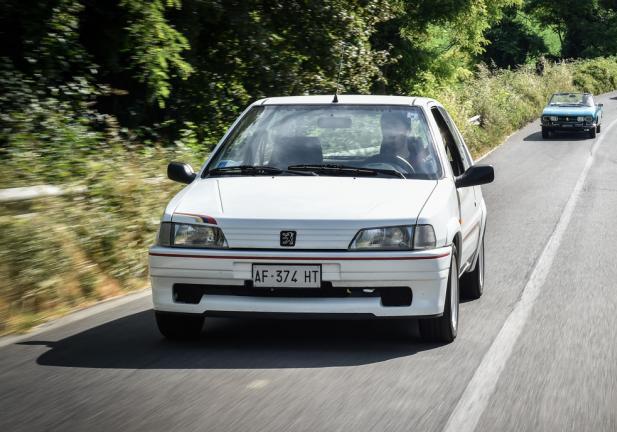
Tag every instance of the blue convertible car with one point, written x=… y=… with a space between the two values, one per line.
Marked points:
x=571 y=112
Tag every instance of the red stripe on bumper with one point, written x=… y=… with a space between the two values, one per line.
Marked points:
x=286 y=258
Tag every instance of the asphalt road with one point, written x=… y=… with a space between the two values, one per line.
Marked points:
x=549 y=315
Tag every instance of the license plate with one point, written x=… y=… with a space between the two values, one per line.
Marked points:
x=286 y=276
x=567 y=125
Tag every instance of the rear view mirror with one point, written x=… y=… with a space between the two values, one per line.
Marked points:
x=334 y=122
x=475 y=176
x=180 y=172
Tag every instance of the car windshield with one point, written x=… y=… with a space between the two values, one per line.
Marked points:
x=572 y=99
x=353 y=140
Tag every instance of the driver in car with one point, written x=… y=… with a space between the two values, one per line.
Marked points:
x=398 y=144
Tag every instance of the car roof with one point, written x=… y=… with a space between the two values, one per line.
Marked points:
x=346 y=100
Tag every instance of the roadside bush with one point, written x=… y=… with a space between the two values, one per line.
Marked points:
x=596 y=76
x=61 y=252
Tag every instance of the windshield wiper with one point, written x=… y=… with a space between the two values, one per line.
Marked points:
x=335 y=169
x=253 y=170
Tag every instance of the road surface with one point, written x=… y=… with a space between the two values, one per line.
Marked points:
x=538 y=352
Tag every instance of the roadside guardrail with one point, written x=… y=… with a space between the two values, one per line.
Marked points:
x=47 y=190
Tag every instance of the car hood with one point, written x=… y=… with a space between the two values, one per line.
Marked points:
x=569 y=111
x=325 y=211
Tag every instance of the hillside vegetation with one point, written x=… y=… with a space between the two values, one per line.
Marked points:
x=99 y=96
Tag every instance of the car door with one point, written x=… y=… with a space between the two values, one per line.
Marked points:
x=460 y=161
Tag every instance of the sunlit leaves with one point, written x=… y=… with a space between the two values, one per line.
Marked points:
x=156 y=47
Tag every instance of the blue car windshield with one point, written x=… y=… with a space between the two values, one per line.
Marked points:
x=571 y=99
x=330 y=140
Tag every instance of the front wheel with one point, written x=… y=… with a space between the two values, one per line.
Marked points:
x=598 y=128
x=179 y=326
x=546 y=133
x=592 y=133
x=472 y=283
x=444 y=328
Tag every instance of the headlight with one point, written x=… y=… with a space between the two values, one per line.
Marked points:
x=546 y=118
x=386 y=238
x=580 y=119
x=589 y=119
x=406 y=237
x=553 y=118
x=424 y=237
x=191 y=236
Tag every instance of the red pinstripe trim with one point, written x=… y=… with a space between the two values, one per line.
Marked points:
x=288 y=258
x=204 y=218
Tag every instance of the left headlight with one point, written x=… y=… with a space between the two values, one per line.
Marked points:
x=385 y=238
x=191 y=236
x=588 y=119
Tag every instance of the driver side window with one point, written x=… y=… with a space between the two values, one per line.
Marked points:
x=454 y=156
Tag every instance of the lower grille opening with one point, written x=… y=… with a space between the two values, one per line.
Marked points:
x=390 y=296
x=396 y=296
x=187 y=293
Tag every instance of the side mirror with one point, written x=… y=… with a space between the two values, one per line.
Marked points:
x=600 y=105
x=180 y=172
x=475 y=176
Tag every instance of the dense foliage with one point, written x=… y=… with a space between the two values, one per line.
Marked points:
x=165 y=68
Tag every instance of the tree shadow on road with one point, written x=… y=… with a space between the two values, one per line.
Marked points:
x=133 y=342
x=557 y=137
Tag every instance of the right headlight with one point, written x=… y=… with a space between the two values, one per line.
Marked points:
x=405 y=237
x=553 y=118
x=191 y=236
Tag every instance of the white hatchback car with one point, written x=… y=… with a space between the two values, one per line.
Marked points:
x=357 y=206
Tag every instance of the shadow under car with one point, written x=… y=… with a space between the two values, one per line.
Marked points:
x=133 y=342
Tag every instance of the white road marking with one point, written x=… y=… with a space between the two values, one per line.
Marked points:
x=476 y=396
x=98 y=308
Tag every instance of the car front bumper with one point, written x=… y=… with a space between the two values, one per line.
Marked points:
x=564 y=127
x=226 y=279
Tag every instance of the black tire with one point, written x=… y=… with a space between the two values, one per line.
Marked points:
x=444 y=328
x=598 y=128
x=472 y=282
x=179 y=326
x=546 y=133
x=592 y=133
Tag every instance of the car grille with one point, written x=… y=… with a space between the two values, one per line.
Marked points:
x=567 y=119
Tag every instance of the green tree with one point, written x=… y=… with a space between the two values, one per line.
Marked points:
x=586 y=28
x=436 y=42
x=515 y=40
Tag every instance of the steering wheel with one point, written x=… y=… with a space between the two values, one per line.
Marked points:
x=395 y=161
